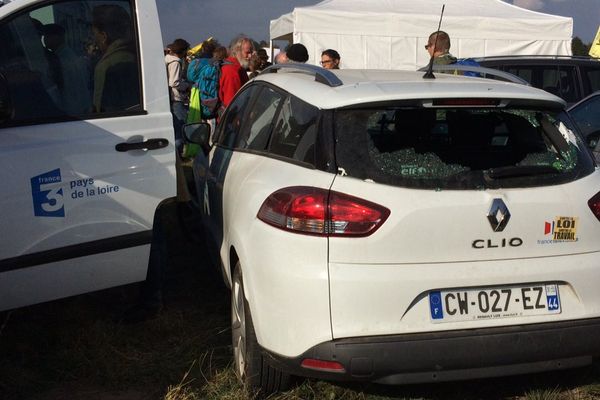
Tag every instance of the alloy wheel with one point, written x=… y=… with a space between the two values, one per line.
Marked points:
x=238 y=327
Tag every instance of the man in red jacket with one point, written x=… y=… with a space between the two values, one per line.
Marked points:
x=233 y=70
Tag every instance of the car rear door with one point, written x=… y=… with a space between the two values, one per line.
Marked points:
x=439 y=237
x=285 y=273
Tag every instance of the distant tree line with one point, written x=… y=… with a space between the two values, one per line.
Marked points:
x=579 y=48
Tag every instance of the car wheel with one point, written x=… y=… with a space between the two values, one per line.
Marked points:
x=251 y=368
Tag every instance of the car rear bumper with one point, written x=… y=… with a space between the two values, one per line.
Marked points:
x=454 y=355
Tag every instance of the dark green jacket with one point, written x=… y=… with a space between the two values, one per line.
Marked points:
x=444 y=59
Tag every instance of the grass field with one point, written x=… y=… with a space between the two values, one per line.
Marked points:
x=76 y=348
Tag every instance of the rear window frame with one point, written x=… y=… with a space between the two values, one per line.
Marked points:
x=368 y=171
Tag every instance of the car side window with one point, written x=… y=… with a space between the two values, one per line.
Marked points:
x=591 y=77
x=522 y=72
x=259 y=120
x=295 y=131
x=234 y=118
x=587 y=117
x=70 y=60
x=561 y=82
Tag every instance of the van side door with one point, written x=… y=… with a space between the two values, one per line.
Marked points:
x=86 y=145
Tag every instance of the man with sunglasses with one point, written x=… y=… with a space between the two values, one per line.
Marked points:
x=438 y=47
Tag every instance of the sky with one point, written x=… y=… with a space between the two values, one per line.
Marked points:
x=196 y=20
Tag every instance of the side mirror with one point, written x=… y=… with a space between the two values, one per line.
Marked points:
x=198 y=133
x=5 y=103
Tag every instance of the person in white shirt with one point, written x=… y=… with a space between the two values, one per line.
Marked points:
x=178 y=85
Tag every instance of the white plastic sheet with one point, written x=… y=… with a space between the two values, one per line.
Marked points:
x=391 y=34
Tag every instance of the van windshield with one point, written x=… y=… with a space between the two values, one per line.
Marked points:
x=459 y=148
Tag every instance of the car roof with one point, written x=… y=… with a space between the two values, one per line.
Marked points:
x=363 y=86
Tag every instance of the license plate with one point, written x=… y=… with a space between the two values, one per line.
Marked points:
x=492 y=303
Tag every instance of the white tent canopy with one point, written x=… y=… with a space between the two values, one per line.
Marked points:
x=391 y=34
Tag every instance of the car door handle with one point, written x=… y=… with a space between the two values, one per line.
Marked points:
x=151 y=144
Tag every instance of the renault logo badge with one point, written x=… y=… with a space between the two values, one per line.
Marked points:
x=498 y=215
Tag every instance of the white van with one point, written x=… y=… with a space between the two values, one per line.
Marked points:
x=86 y=145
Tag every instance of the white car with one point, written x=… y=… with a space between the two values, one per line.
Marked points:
x=380 y=226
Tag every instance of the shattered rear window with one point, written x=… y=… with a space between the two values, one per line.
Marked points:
x=459 y=148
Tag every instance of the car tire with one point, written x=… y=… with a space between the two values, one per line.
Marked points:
x=251 y=366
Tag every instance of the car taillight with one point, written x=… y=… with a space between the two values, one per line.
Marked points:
x=594 y=204
x=316 y=211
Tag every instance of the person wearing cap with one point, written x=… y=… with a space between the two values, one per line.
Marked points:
x=178 y=85
x=264 y=59
x=202 y=56
x=297 y=53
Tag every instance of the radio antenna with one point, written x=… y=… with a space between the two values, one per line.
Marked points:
x=429 y=73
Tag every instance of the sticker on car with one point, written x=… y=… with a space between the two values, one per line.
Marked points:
x=561 y=229
x=49 y=193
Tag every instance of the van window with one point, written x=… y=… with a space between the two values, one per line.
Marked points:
x=70 y=60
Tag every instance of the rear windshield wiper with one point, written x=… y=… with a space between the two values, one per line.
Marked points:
x=515 y=172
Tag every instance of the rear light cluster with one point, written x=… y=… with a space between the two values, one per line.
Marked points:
x=322 y=212
x=594 y=204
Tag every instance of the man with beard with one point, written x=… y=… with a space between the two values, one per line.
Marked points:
x=233 y=70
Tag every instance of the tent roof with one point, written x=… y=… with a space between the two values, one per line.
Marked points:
x=462 y=19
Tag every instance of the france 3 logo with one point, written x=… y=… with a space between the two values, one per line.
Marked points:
x=47 y=194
